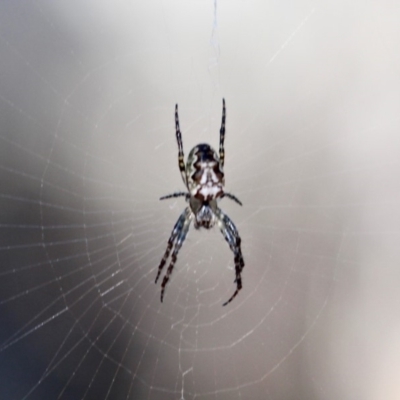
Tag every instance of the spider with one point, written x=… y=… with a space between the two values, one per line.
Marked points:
x=203 y=177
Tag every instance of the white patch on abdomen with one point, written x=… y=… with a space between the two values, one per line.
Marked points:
x=209 y=185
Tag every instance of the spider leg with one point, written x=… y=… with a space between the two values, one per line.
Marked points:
x=232 y=197
x=176 y=194
x=179 y=241
x=181 y=161
x=231 y=235
x=175 y=232
x=222 y=136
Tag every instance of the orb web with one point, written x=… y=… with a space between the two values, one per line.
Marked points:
x=88 y=147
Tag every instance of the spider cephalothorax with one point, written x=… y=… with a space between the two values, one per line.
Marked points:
x=204 y=180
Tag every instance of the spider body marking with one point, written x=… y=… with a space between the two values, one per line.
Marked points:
x=204 y=179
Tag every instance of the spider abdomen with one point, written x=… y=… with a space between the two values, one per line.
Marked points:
x=204 y=173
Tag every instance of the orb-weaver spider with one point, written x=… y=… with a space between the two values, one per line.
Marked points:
x=203 y=177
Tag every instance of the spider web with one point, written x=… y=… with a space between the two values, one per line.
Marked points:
x=88 y=146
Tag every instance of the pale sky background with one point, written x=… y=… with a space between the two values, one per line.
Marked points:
x=87 y=147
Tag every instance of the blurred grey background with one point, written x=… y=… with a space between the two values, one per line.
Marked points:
x=87 y=147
